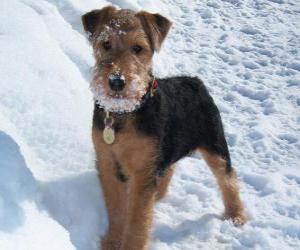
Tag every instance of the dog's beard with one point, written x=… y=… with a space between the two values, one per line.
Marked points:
x=119 y=103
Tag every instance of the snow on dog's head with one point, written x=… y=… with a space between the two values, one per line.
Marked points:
x=124 y=42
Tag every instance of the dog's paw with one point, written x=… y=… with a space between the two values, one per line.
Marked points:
x=108 y=243
x=238 y=219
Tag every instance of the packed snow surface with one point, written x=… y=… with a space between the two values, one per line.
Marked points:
x=247 y=53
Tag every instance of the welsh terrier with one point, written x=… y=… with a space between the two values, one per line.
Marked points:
x=143 y=125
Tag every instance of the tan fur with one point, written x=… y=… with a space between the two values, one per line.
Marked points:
x=229 y=187
x=129 y=204
x=114 y=191
x=156 y=33
x=163 y=183
x=140 y=212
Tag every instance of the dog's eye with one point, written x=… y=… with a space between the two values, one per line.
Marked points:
x=136 y=49
x=106 y=45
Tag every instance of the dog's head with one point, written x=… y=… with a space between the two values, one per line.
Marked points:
x=124 y=42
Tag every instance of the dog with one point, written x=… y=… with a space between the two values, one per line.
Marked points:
x=142 y=125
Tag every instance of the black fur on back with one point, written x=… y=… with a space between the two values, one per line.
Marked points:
x=182 y=116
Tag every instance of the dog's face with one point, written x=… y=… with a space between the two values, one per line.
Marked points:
x=124 y=42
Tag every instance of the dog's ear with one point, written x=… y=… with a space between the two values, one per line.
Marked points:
x=92 y=19
x=156 y=27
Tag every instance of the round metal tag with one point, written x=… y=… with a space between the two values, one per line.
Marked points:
x=108 y=135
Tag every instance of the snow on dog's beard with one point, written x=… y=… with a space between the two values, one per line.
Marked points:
x=121 y=103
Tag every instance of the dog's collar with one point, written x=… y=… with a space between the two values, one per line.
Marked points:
x=151 y=89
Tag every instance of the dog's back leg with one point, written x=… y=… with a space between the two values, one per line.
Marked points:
x=228 y=184
x=217 y=157
x=214 y=150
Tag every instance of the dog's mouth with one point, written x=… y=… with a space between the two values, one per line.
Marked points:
x=116 y=95
x=126 y=94
x=115 y=101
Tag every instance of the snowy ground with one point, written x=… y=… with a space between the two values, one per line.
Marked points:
x=247 y=52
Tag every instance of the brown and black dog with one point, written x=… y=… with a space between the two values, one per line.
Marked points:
x=142 y=126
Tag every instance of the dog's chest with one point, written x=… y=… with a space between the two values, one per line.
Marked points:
x=130 y=149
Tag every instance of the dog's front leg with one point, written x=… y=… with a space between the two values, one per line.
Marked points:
x=142 y=193
x=114 y=192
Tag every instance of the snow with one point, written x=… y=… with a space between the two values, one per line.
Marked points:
x=22 y=216
x=247 y=53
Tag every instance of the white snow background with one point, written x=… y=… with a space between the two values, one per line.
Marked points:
x=247 y=53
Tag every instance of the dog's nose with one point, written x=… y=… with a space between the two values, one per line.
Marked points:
x=116 y=82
